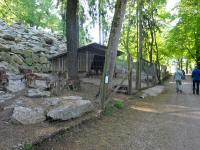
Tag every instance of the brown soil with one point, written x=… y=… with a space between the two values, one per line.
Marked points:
x=167 y=122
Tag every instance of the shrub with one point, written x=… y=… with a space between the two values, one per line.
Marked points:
x=27 y=146
x=108 y=111
x=119 y=104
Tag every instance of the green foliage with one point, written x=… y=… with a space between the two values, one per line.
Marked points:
x=109 y=110
x=154 y=16
x=183 y=39
x=39 y=13
x=179 y=41
x=119 y=104
x=27 y=146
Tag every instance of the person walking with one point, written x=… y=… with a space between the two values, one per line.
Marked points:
x=178 y=76
x=183 y=74
x=196 y=79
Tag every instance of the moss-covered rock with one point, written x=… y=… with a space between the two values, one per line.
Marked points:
x=17 y=59
x=29 y=61
x=43 y=60
x=27 y=53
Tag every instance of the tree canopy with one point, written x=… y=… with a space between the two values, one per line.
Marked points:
x=180 y=41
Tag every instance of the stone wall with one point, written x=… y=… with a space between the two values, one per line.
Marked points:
x=28 y=47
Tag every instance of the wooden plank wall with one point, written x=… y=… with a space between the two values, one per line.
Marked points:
x=59 y=64
x=84 y=62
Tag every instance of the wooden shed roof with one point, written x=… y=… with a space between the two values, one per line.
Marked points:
x=93 y=47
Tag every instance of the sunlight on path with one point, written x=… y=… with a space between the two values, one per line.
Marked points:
x=169 y=121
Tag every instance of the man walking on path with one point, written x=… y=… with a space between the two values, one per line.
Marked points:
x=178 y=76
x=196 y=79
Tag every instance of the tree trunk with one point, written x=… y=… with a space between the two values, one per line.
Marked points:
x=187 y=64
x=181 y=63
x=72 y=34
x=100 y=22
x=140 y=46
x=129 y=58
x=129 y=61
x=111 y=51
x=130 y=74
x=151 y=47
x=157 y=59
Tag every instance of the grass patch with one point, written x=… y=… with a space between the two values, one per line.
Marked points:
x=119 y=104
x=27 y=146
x=108 y=111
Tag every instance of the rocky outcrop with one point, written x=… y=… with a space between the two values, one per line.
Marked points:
x=27 y=46
x=31 y=111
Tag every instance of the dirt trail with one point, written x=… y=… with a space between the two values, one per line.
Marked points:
x=169 y=121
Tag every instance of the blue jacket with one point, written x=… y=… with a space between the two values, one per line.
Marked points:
x=196 y=74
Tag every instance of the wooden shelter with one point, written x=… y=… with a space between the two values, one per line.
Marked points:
x=90 y=58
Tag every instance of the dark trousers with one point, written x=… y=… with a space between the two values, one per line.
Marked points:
x=196 y=86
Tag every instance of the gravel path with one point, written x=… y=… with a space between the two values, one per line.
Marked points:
x=169 y=121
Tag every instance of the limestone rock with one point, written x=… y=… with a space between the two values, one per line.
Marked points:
x=37 y=93
x=72 y=97
x=27 y=116
x=48 y=40
x=28 y=53
x=29 y=61
x=54 y=101
x=43 y=60
x=70 y=109
x=9 y=67
x=21 y=45
x=17 y=59
x=5 y=56
x=38 y=67
x=15 y=85
x=5 y=96
x=36 y=58
x=8 y=37
x=4 y=48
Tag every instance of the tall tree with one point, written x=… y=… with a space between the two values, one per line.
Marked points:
x=183 y=39
x=140 y=45
x=111 y=51
x=72 y=34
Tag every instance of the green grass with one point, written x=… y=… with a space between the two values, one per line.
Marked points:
x=119 y=104
x=108 y=111
x=27 y=146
